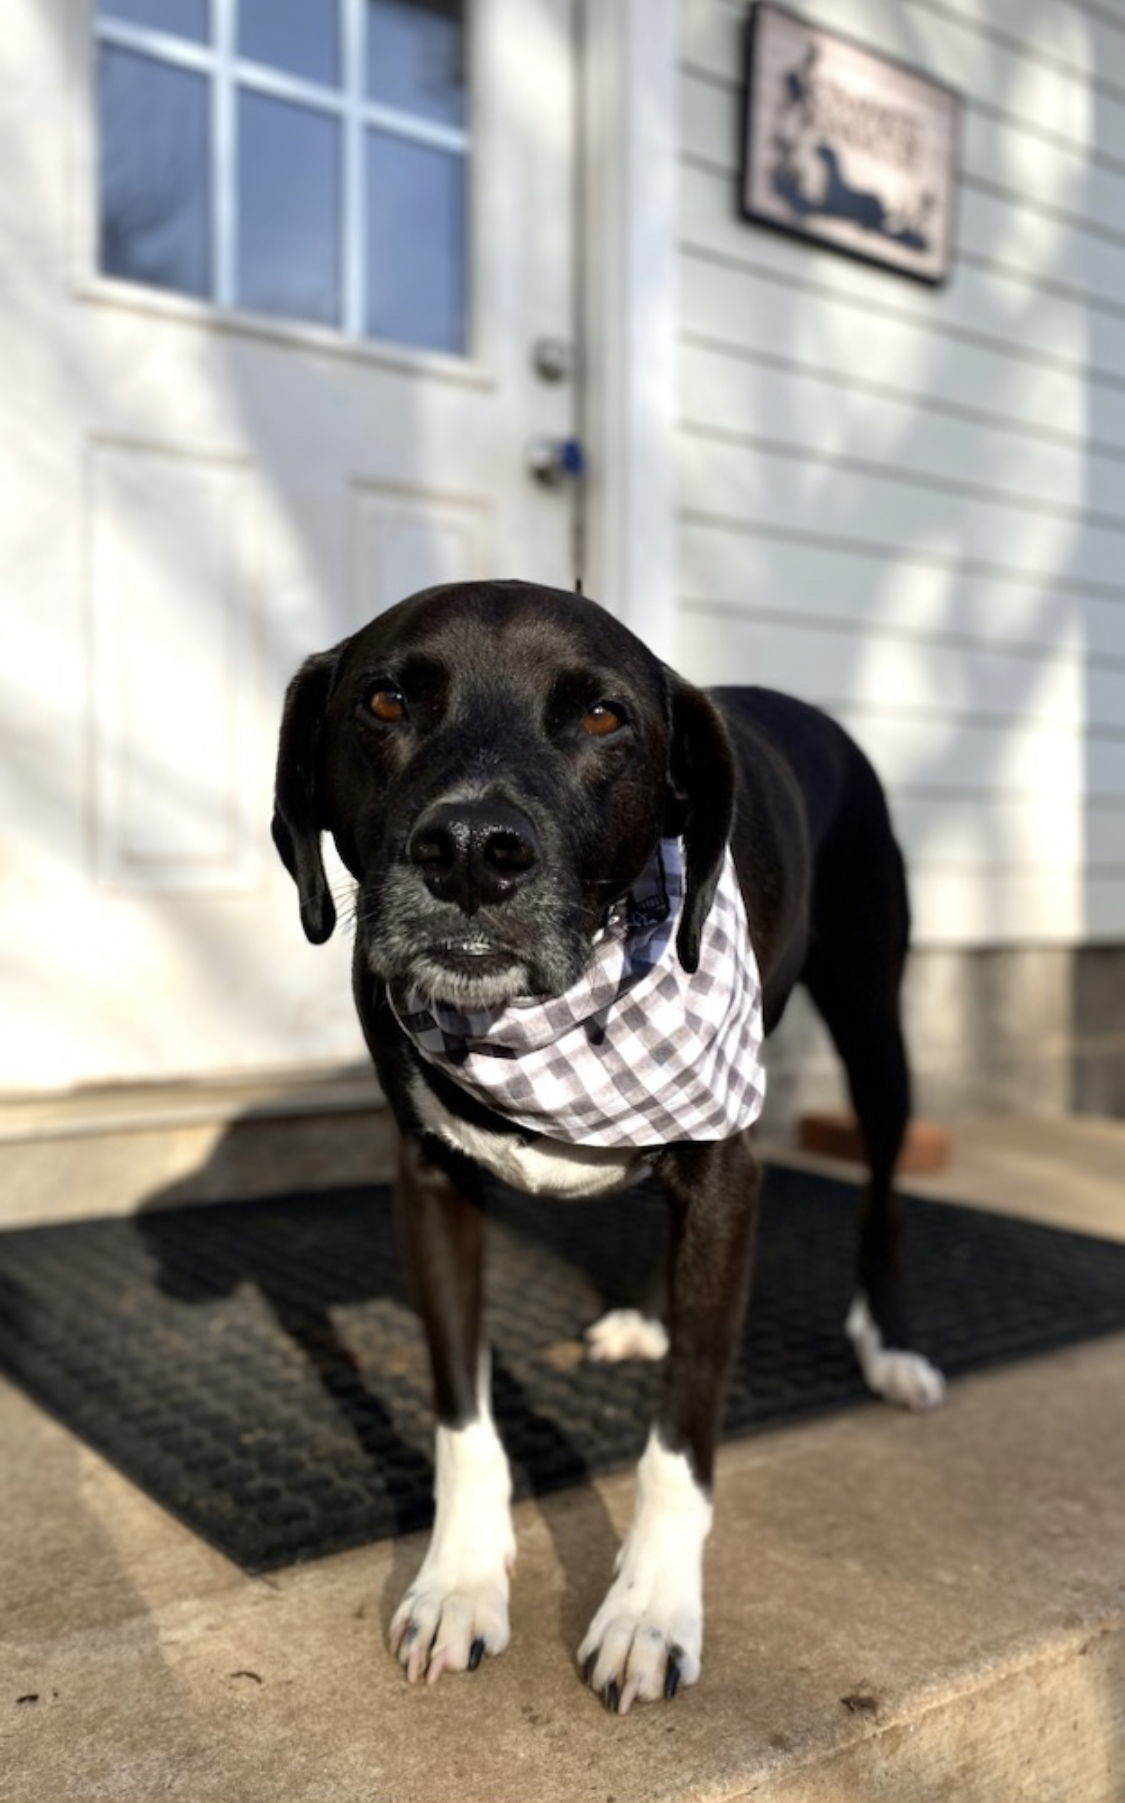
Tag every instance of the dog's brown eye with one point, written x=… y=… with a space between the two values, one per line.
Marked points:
x=602 y=719
x=387 y=703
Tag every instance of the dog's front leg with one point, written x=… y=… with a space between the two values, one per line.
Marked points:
x=647 y=1637
x=456 y=1610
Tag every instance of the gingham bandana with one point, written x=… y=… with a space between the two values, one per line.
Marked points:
x=637 y=1052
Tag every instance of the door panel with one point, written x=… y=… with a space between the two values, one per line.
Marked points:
x=172 y=630
x=243 y=490
x=409 y=541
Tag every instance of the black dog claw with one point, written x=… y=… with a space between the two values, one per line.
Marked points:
x=476 y=1654
x=671 y=1677
x=611 y=1696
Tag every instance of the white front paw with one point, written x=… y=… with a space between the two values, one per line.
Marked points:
x=456 y=1610
x=644 y=1649
x=442 y=1625
x=647 y=1637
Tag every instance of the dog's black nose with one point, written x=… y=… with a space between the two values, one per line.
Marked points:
x=473 y=852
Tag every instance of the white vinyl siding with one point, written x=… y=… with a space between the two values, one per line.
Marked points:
x=908 y=505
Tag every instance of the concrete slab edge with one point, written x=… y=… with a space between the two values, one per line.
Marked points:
x=1044 y=1722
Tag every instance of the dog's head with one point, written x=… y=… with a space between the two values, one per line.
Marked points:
x=496 y=763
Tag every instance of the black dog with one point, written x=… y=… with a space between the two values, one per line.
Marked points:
x=498 y=763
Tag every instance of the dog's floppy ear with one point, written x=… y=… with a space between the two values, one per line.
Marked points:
x=297 y=822
x=701 y=786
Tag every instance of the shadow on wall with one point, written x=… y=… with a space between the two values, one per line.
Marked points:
x=1098 y=978
x=905 y=505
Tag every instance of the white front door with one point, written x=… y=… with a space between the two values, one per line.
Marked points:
x=291 y=371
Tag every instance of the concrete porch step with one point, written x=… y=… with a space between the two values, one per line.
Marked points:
x=91 y=1152
x=900 y=1608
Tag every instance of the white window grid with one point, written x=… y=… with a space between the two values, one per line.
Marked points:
x=228 y=72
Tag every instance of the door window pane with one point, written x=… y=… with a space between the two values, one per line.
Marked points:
x=415 y=243
x=416 y=57
x=288 y=209
x=185 y=18
x=300 y=36
x=155 y=202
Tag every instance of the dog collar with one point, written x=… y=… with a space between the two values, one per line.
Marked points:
x=637 y=1052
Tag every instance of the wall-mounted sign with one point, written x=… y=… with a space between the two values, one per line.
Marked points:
x=845 y=147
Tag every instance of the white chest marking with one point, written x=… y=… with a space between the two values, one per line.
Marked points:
x=543 y=1167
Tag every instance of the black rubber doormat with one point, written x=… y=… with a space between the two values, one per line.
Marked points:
x=255 y=1366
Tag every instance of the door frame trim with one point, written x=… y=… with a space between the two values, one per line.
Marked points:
x=628 y=305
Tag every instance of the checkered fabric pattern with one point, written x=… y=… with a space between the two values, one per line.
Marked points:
x=637 y=1052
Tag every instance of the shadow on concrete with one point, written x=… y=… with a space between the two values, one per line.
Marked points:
x=339 y=1296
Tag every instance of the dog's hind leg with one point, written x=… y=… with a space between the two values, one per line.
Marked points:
x=625 y=1333
x=634 y=1328
x=863 y=1019
x=456 y=1610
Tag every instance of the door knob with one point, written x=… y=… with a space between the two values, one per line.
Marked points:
x=553 y=359
x=556 y=460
